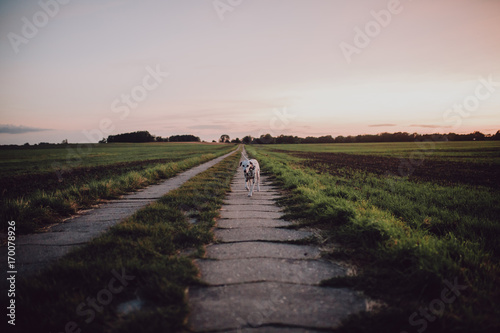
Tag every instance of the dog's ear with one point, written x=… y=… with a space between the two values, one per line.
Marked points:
x=240 y=163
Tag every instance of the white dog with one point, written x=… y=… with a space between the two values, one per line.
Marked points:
x=251 y=171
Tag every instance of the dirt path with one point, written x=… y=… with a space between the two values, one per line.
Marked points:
x=35 y=251
x=257 y=281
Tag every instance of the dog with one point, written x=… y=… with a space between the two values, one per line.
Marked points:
x=251 y=171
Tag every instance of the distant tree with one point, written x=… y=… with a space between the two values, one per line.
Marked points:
x=247 y=140
x=340 y=139
x=496 y=136
x=266 y=139
x=478 y=136
x=213 y=141
x=64 y=142
x=452 y=136
x=184 y=138
x=326 y=139
x=237 y=140
x=140 y=136
x=288 y=139
x=26 y=144
x=160 y=139
x=103 y=140
x=224 y=138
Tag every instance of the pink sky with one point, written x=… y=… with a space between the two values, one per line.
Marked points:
x=255 y=67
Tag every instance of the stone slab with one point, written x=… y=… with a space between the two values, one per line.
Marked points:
x=231 y=271
x=240 y=191
x=263 y=183
x=35 y=258
x=263 y=188
x=244 y=207
x=57 y=238
x=249 y=201
x=249 y=214
x=260 y=234
x=261 y=250
x=255 y=196
x=84 y=225
x=271 y=329
x=251 y=223
x=269 y=303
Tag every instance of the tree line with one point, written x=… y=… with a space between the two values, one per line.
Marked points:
x=381 y=137
x=145 y=136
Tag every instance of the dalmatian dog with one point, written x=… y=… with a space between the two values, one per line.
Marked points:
x=251 y=171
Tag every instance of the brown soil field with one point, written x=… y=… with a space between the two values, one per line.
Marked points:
x=442 y=172
x=21 y=185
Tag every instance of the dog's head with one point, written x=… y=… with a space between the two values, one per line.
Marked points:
x=247 y=166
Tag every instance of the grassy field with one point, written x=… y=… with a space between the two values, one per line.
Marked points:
x=414 y=231
x=421 y=225
x=41 y=159
x=145 y=262
x=468 y=151
x=40 y=185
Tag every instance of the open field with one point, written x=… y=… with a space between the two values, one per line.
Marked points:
x=487 y=152
x=41 y=159
x=40 y=185
x=425 y=244
x=413 y=231
x=27 y=169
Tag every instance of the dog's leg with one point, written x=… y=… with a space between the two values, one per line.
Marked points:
x=257 y=177
x=251 y=190
x=246 y=185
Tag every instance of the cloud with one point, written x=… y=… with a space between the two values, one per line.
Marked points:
x=14 y=129
x=382 y=125
x=428 y=126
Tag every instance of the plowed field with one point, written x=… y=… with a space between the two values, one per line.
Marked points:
x=443 y=172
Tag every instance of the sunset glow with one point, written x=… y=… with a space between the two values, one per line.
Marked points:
x=83 y=70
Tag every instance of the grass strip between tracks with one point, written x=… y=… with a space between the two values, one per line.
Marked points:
x=140 y=264
x=433 y=279
x=43 y=208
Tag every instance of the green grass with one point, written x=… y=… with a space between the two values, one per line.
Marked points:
x=42 y=207
x=470 y=151
x=42 y=159
x=406 y=237
x=149 y=248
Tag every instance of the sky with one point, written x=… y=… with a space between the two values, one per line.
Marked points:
x=82 y=70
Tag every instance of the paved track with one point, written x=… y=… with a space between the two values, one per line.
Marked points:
x=257 y=281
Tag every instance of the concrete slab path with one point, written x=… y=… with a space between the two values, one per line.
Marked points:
x=257 y=281
x=35 y=251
